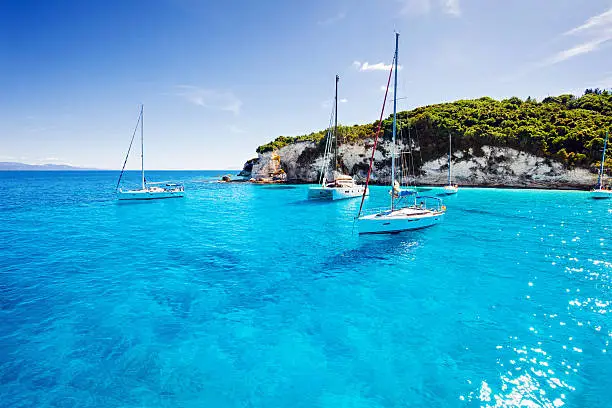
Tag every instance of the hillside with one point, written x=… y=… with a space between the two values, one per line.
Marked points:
x=563 y=131
x=564 y=128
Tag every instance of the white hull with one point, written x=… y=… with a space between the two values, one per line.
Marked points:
x=601 y=194
x=149 y=194
x=404 y=219
x=335 y=193
x=450 y=190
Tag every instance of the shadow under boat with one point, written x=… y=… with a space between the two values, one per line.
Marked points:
x=376 y=248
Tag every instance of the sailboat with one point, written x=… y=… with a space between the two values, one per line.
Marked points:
x=340 y=186
x=602 y=191
x=148 y=191
x=450 y=188
x=408 y=210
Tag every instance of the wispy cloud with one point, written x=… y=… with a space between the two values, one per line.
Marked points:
x=579 y=49
x=601 y=20
x=595 y=32
x=210 y=98
x=366 y=66
x=383 y=88
x=236 y=129
x=421 y=7
x=39 y=129
x=415 y=7
x=451 y=7
x=605 y=83
x=328 y=103
x=332 y=20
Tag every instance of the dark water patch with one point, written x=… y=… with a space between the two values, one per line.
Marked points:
x=179 y=302
x=168 y=329
x=495 y=214
x=279 y=187
x=372 y=248
x=207 y=258
x=10 y=369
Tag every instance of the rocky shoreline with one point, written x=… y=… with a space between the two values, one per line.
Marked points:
x=488 y=166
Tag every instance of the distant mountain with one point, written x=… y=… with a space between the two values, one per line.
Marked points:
x=8 y=166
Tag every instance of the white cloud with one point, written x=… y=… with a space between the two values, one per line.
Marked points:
x=605 y=83
x=236 y=129
x=366 y=66
x=451 y=7
x=331 y=20
x=40 y=129
x=601 y=20
x=595 y=32
x=381 y=66
x=421 y=7
x=211 y=98
x=329 y=103
x=580 y=49
x=383 y=88
x=415 y=7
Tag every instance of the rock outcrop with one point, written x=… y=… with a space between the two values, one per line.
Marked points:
x=247 y=169
x=486 y=166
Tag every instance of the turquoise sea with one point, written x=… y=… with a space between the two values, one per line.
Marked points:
x=249 y=296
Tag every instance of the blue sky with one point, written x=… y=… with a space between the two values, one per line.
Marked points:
x=217 y=79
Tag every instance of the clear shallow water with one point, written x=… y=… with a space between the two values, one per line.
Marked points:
x=249 y=296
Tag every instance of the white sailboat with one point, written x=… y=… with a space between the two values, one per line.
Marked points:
x=339 y=186
x=450 y=188
x=408 y=211
x=602 y=191
x=148 y=191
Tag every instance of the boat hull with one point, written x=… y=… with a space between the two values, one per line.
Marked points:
x=335 y=193
x=450 y=190
x=399 y=220
x=148 y=195
x=601 y=194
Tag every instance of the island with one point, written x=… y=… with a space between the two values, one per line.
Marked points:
x=15 y=166
x=553 y=143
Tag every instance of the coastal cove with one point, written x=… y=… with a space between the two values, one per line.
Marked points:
x=242 y=293
x=554 y=144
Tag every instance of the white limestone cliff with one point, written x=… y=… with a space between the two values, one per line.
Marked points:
x=490 y=166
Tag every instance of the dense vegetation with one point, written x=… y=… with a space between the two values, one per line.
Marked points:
x=565 y=128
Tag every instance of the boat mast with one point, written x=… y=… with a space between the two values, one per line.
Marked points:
x=376 y=136
x=603 y=159
x=394 y=121
x=336 y=127
x=142 y=145
x=449 y=158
